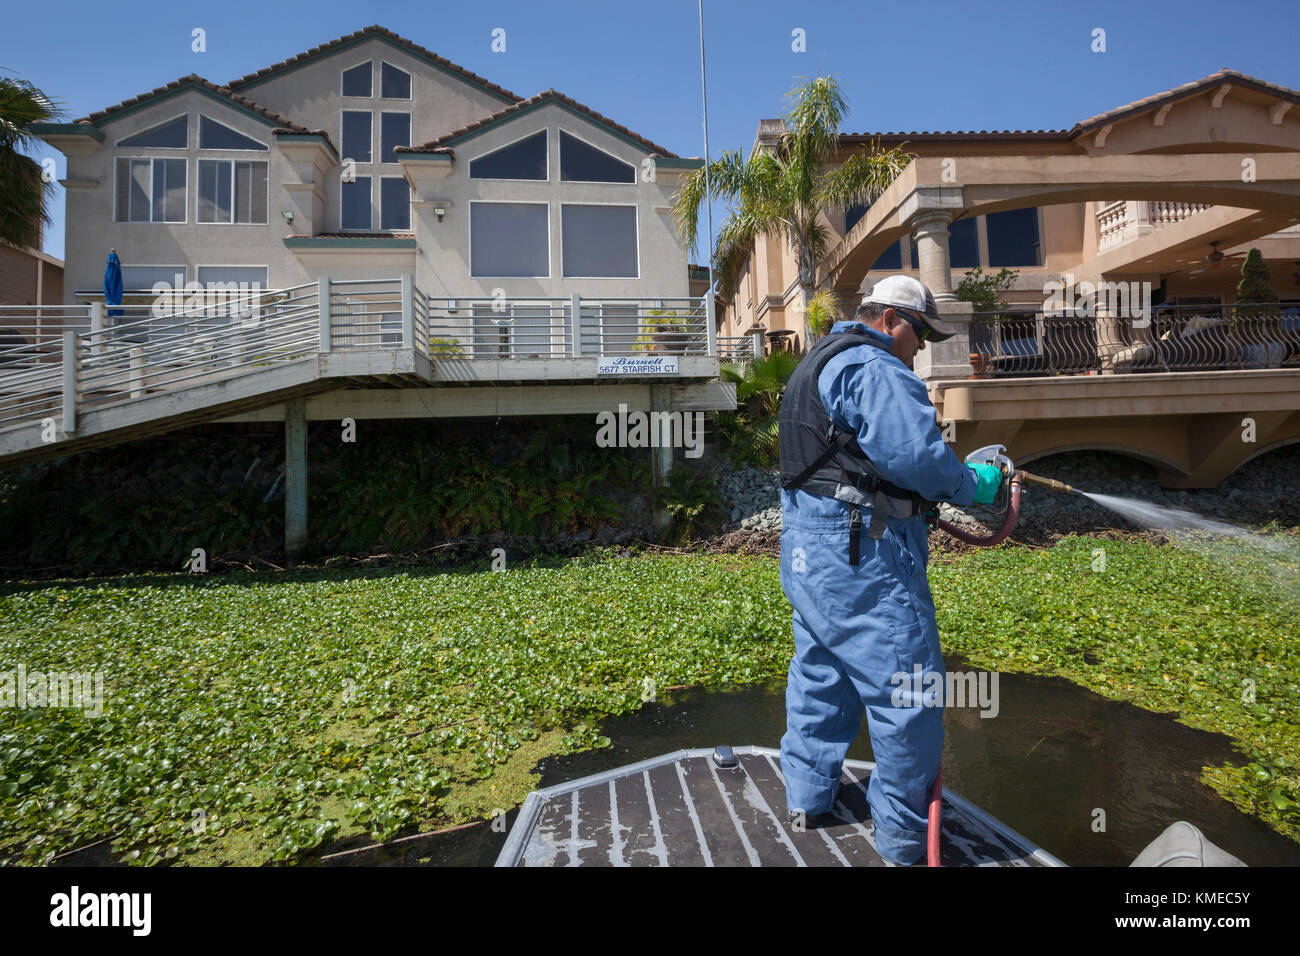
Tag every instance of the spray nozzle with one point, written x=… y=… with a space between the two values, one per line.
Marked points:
x=992 y=455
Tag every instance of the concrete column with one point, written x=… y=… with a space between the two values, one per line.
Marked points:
x=949 y=359
x=295 y=478
x=661 y=452
x=1110 y=335
x=931 y=229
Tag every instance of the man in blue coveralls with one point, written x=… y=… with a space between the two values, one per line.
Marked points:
x=862 y=460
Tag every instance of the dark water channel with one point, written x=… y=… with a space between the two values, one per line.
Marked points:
x=1053 y=755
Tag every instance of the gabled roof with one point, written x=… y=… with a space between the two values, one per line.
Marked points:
x=442 y=143
x=388 y=36
x=194 y=81
x=1188 y=89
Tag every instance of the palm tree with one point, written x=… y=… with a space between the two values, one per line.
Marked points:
x=782 y=192
x=751 y=431
x=24 y=195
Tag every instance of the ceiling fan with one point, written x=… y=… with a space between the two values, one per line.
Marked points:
x=1215 y=257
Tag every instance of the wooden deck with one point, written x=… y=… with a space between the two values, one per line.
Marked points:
x=687 y=809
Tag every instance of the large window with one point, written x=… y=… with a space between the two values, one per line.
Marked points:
x=852 y=216
x=599 y=241
x=144 y=278
x=357 y=135
x=394 y=203
x=582 y=162
x=355 y=204
x=963 y=244
x=891 y=258
x=214 y=135
x=173 y=134
x=394 y=84
x=232 y=191
x=394 y=130
x=509 y=239
x=150 y=190
x=356 y=80
x=523 y=331
x=1013 y=238
x=233 y=276
x=523 y=159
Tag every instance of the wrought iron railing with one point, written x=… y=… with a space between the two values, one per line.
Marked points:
x=1169 y=340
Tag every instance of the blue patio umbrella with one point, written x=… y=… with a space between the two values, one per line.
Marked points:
x=113 y=282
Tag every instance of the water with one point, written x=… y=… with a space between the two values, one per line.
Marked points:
x=1275 y=558
x=1054 y=755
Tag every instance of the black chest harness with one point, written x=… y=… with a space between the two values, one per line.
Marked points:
x=821 y=458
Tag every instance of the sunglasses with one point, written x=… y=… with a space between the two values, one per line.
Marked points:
x=920 y=328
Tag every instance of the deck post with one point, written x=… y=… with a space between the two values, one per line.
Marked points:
x=69 y=381
x=710 y=318
x=96 y=327
x=323 y=308
x=408 y=311
x=295 y=478
x=575 y=324
x=661 y=453
x=137 y=371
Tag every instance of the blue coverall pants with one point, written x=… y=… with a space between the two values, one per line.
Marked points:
x=855 y=630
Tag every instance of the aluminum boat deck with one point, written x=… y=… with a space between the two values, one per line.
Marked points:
x=699 y=808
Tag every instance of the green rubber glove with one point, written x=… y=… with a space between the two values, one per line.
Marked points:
x=988 y=479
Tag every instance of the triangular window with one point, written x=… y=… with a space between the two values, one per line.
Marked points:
x=214 y=135
x=525 y=159
x=583 y=163
x=173 y=134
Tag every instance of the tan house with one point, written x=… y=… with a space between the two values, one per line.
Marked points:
x=30 y=277
x=1171 y=190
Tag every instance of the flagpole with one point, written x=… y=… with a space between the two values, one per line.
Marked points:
x=708 y=196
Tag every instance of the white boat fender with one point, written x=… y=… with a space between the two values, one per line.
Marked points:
x=1184 y=845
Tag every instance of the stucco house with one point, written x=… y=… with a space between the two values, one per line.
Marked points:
x=370 y=157
x=1169 y=192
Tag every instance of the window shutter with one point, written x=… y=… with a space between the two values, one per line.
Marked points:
x=259 y=192
x=243 y=192
x=123 y=211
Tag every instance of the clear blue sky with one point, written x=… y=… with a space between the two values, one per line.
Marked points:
x=942 y=65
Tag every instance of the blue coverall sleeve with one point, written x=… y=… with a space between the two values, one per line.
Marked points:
x=887 y=406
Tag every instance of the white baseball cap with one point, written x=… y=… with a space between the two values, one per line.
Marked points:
x=904 y=292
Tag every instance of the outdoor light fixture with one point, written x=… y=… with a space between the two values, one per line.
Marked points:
x=288 y=216
x=440 y=212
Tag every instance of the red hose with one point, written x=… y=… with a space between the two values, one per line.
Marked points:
x=1008 y=523
x=936 y=807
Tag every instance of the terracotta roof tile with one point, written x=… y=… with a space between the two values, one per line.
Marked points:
x=436 y=145
x=1187 y=89
x=375 y=30
x=1137 y=106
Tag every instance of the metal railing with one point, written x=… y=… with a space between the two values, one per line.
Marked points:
x=56 y=360
x=1171 y=340
x=736 y=348
x=544 y=328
